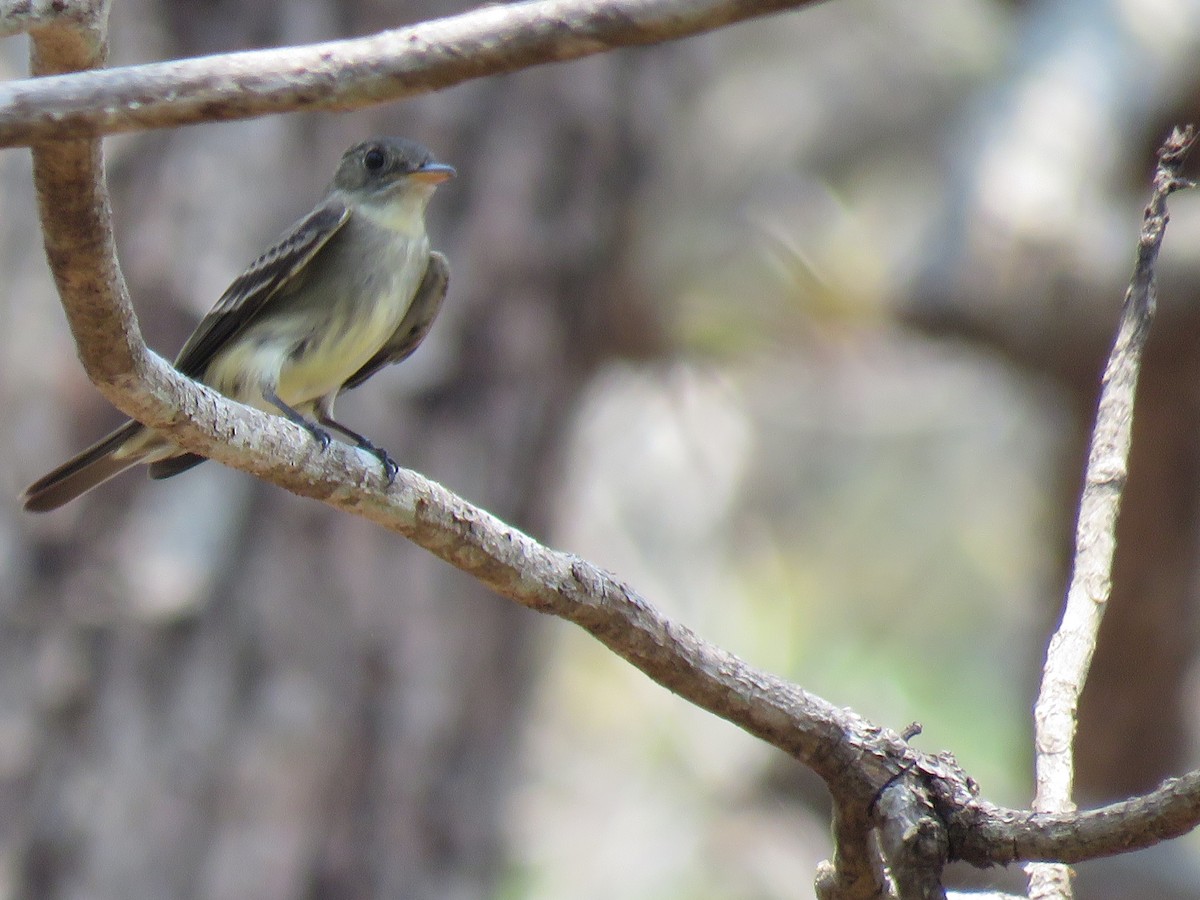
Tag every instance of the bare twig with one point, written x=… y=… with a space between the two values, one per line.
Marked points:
x=1070 y=652
x=352 y=73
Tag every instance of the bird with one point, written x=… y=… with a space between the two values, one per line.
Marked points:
x=349 y=289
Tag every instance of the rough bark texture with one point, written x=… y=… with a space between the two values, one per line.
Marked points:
x=1140 y=685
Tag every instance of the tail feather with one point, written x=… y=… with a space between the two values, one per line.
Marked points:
x=76 y=476
x=175 y=465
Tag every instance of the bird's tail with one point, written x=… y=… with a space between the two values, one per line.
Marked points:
x=76 y=476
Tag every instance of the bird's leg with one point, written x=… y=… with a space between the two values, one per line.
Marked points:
x=362 y=442
x=319 y=433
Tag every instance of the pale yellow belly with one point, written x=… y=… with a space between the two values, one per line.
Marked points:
x=266 y=355
x=266 y=360
x=327 y=365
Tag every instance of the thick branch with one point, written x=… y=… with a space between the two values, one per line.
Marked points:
x=351 y=73
x=73 y=200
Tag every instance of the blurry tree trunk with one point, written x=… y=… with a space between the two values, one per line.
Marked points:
x=240 y=694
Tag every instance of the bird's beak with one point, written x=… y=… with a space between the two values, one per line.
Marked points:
x=433 y=173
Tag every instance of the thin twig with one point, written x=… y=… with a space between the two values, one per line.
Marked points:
x=349 y=74
x=1070 y=652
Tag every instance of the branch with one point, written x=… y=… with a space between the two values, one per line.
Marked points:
x=349 y=74
x=855 y=873
x=20 y=16
x=985 y=835
x=913 y=840
x=1070 y=653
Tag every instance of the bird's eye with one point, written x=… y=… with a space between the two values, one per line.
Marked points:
x=374 y=159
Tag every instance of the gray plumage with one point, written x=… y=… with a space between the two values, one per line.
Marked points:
x=351 y=288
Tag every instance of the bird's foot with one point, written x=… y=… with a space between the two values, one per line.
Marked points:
x=320 y=435
x=390 y=468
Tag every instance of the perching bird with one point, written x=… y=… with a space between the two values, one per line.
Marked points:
x=349 y=289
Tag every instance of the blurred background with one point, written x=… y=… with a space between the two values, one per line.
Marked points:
x=796 y=326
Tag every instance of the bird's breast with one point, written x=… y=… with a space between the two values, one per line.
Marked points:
x=365 y=309
x=336 y=319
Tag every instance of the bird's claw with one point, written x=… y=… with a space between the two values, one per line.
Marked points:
x=321 y=436
x=390 y=468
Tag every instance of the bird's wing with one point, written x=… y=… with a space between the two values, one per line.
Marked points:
x=249 y=293
x=414 y=326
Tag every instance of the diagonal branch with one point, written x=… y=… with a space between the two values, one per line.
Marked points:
x=1070 y=652
x=348 y=74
